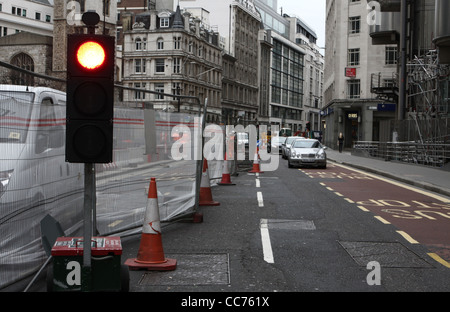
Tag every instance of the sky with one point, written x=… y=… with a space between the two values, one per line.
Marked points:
x=312 y=12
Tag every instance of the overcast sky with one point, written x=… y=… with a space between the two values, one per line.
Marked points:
x=312 y=12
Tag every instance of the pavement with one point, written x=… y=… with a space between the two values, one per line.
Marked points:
x=432 y=179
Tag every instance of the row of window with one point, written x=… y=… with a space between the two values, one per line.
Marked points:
x=23 y=12
x=141 y=45
x=353 y=56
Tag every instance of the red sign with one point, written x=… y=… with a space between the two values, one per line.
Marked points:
x=350 y=72
x=100 y=246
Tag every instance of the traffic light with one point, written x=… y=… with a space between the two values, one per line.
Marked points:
x=90 y=94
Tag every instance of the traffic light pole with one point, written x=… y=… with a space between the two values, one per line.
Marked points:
x=89 y=204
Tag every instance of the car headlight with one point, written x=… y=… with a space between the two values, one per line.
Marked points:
x=293 y=154
x=320 y=154
x=5 y=176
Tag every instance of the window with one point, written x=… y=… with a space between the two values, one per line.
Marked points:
x=353 y=57
x=141 y=44
x=24 y=61
x=160 y=44
x=355 y=24
x=176 y=89
x=177 y=43
x=164 y=22
x=176 y=65
x=353 y=89
x=391 y=55
x=159 y=87
x=37 y=16
x=159 y=65
x=139 y=66
x=137 y=94
x=48 y=18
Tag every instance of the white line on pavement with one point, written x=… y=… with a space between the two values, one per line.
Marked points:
x=265 y=238
x=260 y=199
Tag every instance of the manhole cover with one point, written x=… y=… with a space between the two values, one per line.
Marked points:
x=391 y=255
x=192 y=269
x=290 y=224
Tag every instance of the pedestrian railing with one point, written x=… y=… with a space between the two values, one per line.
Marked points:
x=429 y=154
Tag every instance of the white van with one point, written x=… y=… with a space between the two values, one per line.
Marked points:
x=34 y=177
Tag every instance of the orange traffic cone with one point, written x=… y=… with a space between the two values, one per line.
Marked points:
x=205 y=188
x=226 y=178
x=256 y=168
x=151 y=254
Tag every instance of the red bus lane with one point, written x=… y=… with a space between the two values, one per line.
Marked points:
x=420 y=217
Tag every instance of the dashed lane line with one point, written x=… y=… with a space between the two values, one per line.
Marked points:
x=260 y=199
x=265 y=238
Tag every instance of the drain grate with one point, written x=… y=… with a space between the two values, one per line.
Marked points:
x=192 y=270
x=389 y=255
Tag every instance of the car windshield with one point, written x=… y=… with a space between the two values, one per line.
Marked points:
x=306 y=144
x=290 y=139
x=15 y=109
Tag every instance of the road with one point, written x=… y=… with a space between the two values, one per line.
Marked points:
x=305 y=230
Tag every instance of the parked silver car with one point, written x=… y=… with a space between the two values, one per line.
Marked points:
x=307 y=152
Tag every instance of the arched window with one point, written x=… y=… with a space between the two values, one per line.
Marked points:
x=160 y=44
x=138 y=43
x=23 y=61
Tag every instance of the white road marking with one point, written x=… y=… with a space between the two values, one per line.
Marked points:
x=265 y=238
x=260 y=199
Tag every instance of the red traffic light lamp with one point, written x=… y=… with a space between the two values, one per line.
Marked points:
x=91 y=55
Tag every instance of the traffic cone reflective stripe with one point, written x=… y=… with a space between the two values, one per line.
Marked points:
x=226 y=178
x=151 y=253
x=205 y=188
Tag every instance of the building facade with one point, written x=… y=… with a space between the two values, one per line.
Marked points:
x=305 y=36
x=298 y=38
x=353 y=68
x=35 y=17
x=169 y=53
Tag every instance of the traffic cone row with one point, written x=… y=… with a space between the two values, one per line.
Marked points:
x=151 y=254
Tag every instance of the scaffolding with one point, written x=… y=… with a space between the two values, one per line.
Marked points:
x=423 y=137
x=428 y=87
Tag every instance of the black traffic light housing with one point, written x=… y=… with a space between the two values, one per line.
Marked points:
x=90 y=100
